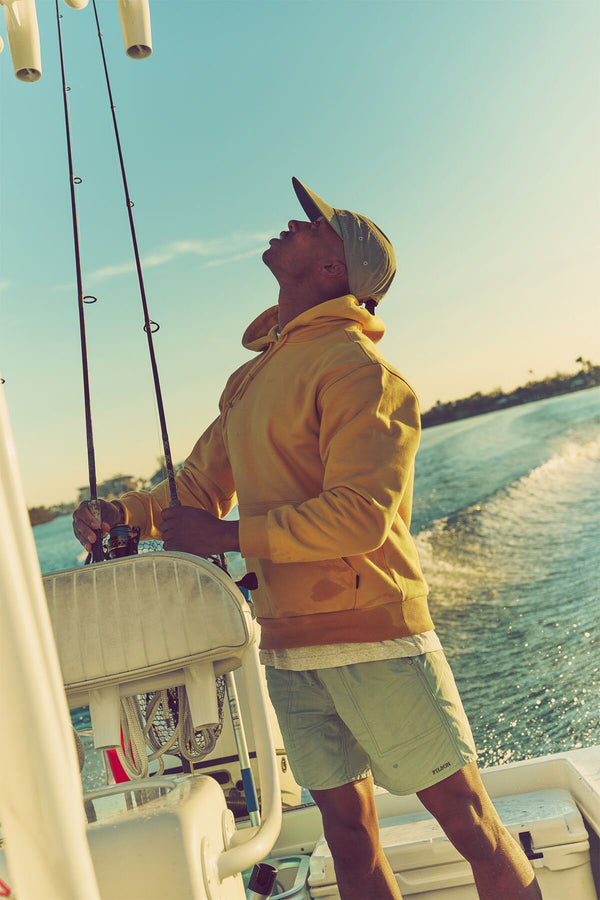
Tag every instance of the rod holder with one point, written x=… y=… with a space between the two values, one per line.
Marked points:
x=135 y=25
x=23 y=38
x=201 y=694
x=105 y=715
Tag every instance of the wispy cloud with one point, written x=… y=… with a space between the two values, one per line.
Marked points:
x=216 y=252
x=230 y=259
x=111 y=271
x=5 y=284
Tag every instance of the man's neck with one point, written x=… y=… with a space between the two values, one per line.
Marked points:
x=292 y=304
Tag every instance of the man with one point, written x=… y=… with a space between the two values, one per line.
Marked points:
x=316 y=439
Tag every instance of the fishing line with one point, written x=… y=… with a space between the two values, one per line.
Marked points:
x=97 y=550
x=149 y=326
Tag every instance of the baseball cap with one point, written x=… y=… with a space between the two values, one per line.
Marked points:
x=370 y=257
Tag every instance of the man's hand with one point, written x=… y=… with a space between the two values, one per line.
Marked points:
x=85 y=523
x=196 y=531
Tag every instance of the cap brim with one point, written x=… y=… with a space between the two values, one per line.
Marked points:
x=314 y=206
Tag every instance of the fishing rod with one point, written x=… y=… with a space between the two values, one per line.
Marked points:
x=124 y=543
x=121 y=541
x=149 y=326
x=97 y=552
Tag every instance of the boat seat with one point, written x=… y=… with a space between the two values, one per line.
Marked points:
x=144 y=623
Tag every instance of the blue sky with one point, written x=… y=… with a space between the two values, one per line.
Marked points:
x=469 y=130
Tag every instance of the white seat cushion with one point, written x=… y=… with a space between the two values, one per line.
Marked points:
x=146 y=615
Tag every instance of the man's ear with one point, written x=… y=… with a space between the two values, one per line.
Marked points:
x=334 y=269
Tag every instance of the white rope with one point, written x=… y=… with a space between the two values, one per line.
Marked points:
x=135 y=761
x=150 y=724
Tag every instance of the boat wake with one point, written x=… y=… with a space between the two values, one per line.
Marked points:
x=523 y=530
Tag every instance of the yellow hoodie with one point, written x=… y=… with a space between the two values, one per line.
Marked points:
x=316 y=439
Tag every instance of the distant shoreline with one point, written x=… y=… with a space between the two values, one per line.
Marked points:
x=475 y=405
x=39 y=515
x=478 y=404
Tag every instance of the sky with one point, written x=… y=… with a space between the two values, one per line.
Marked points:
x=469 y=130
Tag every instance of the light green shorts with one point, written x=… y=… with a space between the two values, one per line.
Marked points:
x=400 y=719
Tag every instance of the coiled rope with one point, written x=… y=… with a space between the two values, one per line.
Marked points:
x=161 y=722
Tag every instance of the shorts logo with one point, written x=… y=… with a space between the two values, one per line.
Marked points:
x=441 y=768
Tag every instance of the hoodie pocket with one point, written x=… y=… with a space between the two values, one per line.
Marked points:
x=304 y=588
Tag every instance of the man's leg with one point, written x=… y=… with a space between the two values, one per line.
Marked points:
x=352 y=833
x=463 y=808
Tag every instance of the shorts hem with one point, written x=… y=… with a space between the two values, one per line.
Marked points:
x=329 y=786
x=430 y=781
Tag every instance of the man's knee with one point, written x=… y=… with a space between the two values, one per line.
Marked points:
x=477 y=837
x=352 y=845
x=464 y=810
x=350 y=823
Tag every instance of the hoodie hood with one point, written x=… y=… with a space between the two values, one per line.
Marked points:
x=263 y=331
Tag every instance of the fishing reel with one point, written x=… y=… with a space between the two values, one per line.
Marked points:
x=122 y=540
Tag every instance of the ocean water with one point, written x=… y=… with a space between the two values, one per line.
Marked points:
x=507 y=522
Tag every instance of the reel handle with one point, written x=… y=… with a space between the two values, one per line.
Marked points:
x=97 y=548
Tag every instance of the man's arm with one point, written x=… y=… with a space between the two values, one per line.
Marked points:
x=197 y=531
x=204 y=483
x=183 y=528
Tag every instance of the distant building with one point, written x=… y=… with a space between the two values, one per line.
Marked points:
x=111 y=488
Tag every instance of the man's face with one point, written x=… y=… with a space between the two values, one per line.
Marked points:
x=304 y=247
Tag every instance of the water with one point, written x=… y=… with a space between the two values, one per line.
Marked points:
x=506 y=519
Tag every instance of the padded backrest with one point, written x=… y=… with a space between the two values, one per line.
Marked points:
x=145 y=615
